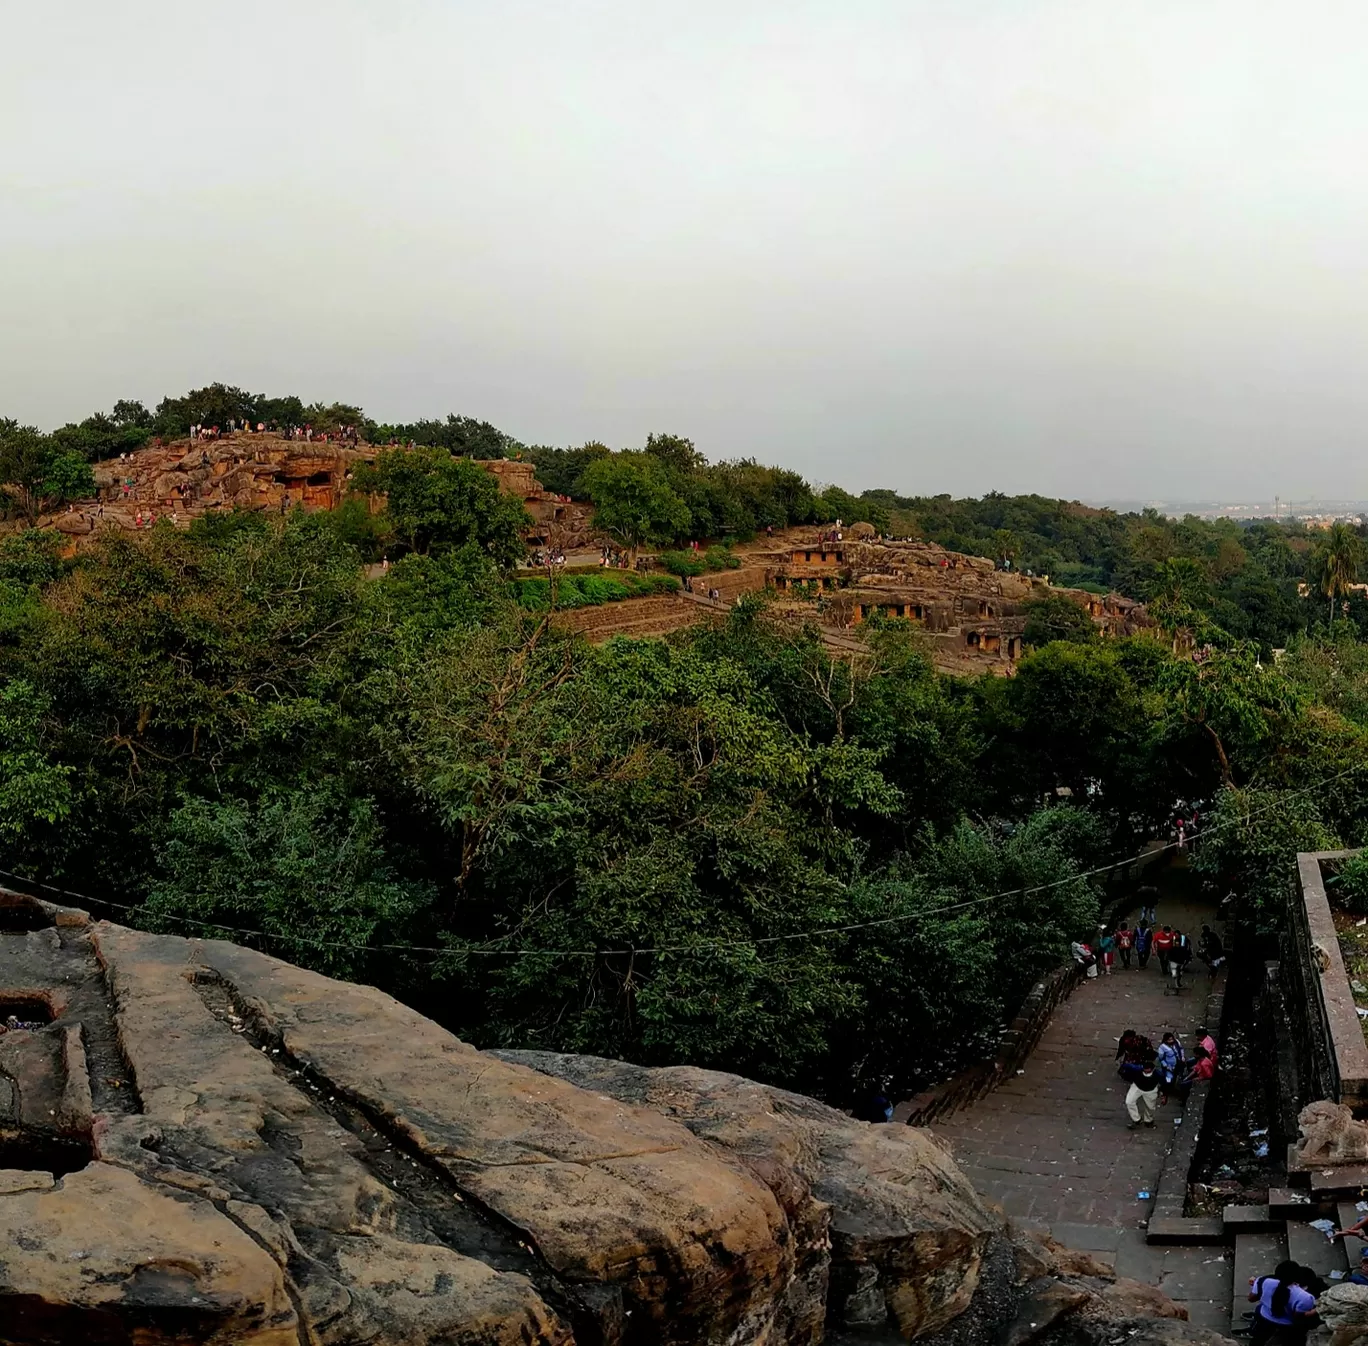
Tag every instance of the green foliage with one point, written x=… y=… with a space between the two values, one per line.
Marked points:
x=1349 y=884
x=1337 y=563
x=634 y=501
x=435 y=502
x=1250 y=844
x=727 y=847
x=33 y=788
x=463 y=436
x=694 y=564
x=39 y=471
x=579 y=591
x=232 y=866
x=562 y=470
x=683 y=563
x=1057 y=618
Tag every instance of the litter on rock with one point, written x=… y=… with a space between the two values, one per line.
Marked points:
x=1327 y=1227
x=1142 y=1196
x=1259 y=1131
x=1261 y=1150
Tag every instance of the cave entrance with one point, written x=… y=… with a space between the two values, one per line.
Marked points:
x=20 y=914
x=27 y=1009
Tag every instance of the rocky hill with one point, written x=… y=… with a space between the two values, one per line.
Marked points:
x=202 y=1143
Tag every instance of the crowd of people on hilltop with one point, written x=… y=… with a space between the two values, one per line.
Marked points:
x=347 y=434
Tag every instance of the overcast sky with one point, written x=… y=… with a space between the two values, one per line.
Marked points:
x=1092 y=249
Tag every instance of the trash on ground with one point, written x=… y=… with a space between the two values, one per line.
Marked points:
x=1327 y=1227
x=1258 y=1131
x=1142 y=1195
x=1261 y=1150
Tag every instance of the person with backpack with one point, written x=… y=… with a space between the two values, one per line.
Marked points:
x=1125 y=941
x=1144 y=942
x=1133 y=1050
x=1286 y=1309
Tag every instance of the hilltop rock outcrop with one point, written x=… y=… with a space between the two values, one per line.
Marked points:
x=207 y=1144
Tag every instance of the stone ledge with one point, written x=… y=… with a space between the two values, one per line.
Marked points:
x=1183 y=1230
x=1250 y=1220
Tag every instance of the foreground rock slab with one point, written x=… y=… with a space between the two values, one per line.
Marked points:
x=210 y=1145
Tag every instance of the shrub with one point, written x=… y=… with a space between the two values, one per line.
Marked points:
x=1351 y=884
x=683 y=563
x=582 y=591
x=721 y=558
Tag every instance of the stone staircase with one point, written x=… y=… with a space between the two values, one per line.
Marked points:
x=1263 y=1236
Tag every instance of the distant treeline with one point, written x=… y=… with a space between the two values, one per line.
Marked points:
x=1241 y=577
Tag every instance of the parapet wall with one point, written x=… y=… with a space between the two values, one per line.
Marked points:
x=1328 y=1038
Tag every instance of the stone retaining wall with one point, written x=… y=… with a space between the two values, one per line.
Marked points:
x=1331 y=1053
x=1017 y=1042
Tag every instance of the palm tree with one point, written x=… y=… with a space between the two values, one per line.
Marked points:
x=1177 y=595
x=1338 y=563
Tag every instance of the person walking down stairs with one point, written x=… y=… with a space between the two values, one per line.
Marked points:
x=1142 y=1098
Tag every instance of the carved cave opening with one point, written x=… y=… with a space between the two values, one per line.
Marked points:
x=20 y=914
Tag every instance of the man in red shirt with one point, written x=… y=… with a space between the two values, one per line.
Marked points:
x=1163 y=945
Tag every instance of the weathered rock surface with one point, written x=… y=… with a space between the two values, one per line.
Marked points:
x=211 y=1145
x=907 y=1230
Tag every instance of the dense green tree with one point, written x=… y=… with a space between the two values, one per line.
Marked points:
x=634 y=501
x=437 y=502
x=231 y=866
x=1057 y=618
x=39 y=472
x=34 y=789
x=562 y=470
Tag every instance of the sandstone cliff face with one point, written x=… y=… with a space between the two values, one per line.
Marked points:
x=210 y=1145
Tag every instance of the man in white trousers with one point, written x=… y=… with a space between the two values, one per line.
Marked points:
x=1143 y=1097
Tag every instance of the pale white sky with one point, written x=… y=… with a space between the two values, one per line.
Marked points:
x=1087 y=249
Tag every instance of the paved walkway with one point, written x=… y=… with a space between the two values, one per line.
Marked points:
x=1052 y=1148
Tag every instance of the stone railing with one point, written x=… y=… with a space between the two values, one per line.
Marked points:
x=1017 y=1042
x=1332 y=1057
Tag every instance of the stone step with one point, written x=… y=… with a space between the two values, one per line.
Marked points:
x=1343 y=1179
x=1312 y=1249
x=1255 y=1255
x=1292 y=1203
x=1182 y=1230
x=1251 y=1220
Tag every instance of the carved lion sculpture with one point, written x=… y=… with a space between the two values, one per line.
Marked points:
x=1330 y=1135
